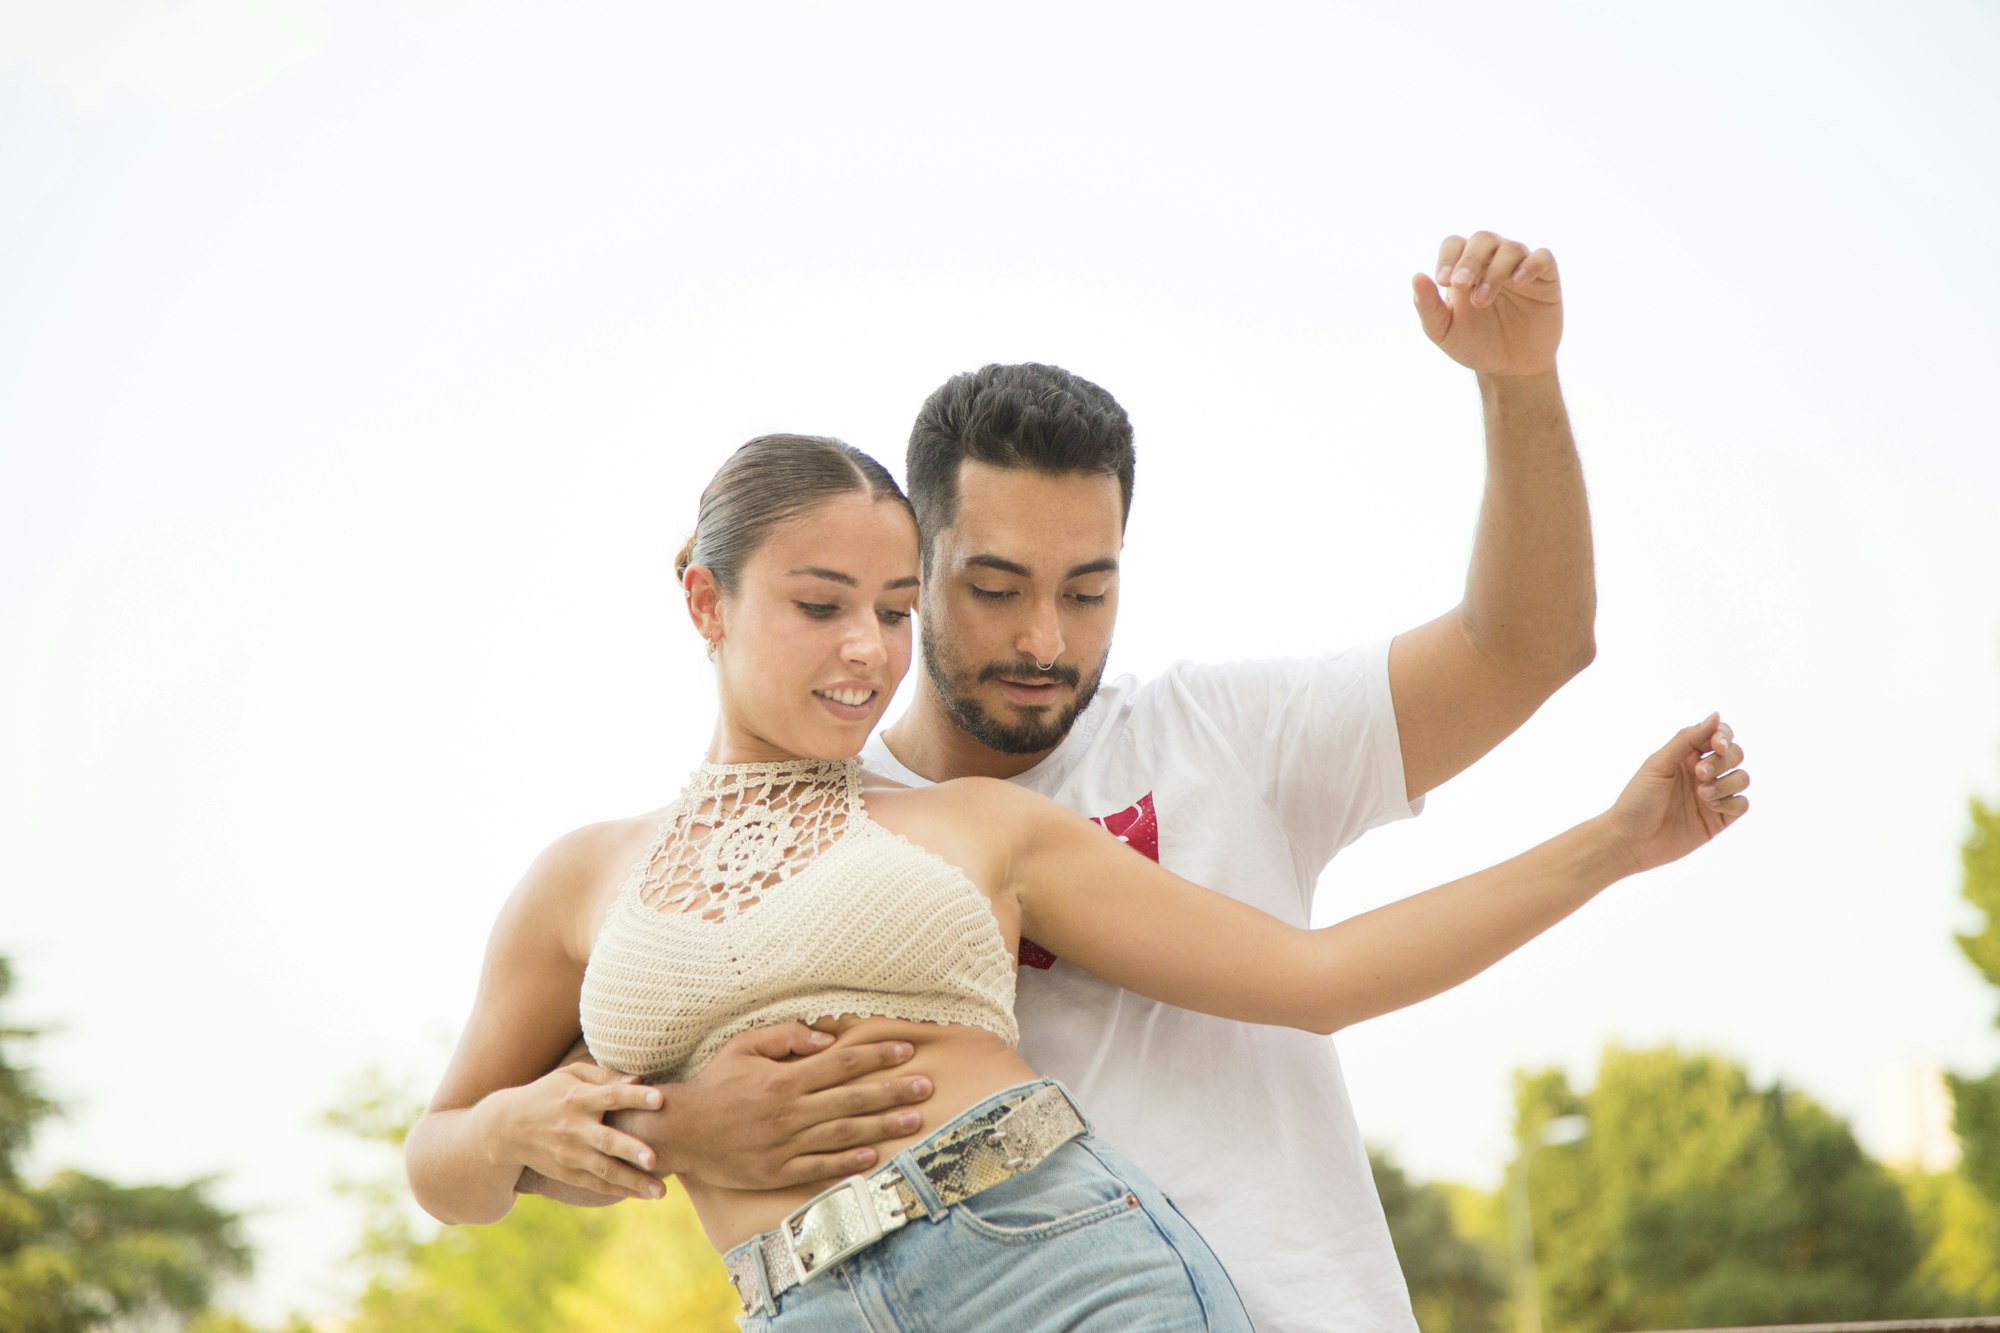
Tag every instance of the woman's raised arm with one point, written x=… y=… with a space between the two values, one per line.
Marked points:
x=1088 y=898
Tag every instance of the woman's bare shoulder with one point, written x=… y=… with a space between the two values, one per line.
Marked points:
x=977 y=823
x=593 y=850
x=954 y=795
x=995 y=796
x=569 y=883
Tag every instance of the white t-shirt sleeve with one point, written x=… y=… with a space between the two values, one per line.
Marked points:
x=1316 y=735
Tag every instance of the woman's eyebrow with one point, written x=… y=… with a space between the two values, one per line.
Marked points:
x=830 y=575
x=848 y=580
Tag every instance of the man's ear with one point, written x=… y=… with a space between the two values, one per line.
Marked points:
x=704 y=602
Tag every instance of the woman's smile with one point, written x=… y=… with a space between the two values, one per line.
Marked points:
x=848 y=702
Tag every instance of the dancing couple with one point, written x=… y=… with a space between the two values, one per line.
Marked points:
x=896 y=1015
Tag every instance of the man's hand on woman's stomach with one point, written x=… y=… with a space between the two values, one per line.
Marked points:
x=784 y=1106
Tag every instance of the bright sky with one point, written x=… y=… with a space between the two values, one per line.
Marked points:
x=360 y=365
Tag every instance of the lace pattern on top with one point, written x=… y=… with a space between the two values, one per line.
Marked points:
x=740 y=830
x=770 y=896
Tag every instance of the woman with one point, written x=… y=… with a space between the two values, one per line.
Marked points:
x=779 y=887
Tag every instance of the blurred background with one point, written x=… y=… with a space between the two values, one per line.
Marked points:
x=361 y=363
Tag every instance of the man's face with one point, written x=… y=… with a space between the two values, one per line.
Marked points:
x=1027 y=574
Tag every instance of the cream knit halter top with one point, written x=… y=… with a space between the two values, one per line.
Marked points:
x=770 y=895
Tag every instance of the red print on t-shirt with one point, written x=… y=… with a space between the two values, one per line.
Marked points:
x=1138 y=828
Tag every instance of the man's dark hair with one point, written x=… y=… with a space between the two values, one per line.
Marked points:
x=1028 y=416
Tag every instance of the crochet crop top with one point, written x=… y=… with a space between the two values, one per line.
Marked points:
x=769 y=895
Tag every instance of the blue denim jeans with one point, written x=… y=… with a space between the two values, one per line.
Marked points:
x=1084 y=1241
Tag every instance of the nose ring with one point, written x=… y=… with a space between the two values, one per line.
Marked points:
x=1045 y=665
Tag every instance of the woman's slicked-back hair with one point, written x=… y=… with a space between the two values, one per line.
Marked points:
x=772 y=480
x=1025 y=416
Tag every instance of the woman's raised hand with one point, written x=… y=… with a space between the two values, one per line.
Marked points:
x=1687 y=792
x=556 y=1126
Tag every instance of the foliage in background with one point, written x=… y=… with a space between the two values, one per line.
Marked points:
x=1959 y=1211
x=1976 y=1101
x=1696 y=1200
x=79 y=1252
x=218 y=1322
x=546 y=1268
x=654 y=1269
x=494 y=1279
x=1456 y=1284
x=1961 y=1232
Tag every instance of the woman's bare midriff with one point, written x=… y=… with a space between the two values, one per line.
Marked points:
x=965 y=1065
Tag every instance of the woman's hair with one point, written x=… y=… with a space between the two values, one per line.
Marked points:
x=771 y=480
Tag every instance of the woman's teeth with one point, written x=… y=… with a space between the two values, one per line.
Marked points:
x=852 y=698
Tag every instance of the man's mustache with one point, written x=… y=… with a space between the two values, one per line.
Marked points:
x=1062 y=673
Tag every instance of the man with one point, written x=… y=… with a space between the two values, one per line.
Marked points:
x=1245 y=777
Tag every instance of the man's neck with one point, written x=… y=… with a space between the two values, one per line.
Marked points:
x=930 y=744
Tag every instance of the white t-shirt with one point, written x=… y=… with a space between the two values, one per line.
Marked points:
x=1246 y=777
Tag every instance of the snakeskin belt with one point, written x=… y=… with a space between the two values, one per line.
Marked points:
x=959 y=1161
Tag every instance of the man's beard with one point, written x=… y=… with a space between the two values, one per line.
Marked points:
x=955 y=682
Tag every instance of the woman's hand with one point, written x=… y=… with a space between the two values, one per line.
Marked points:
x=1689 y=791
x=556 y=1126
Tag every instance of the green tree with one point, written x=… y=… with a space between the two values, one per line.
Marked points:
x=1696 y=1200
x=1960 y=1210
x=1455 y=1285
x=546 y=1268
x=496 y=1279
x=654 y=1269
x=1975 y=1102
x=1961 y=1232
x=79 y=1252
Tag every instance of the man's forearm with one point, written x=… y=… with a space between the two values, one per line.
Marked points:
x=534 y=1182
x=1531 y=594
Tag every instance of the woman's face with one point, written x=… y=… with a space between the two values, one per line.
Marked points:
x=816 y=636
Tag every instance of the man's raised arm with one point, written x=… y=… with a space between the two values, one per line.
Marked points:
x=1465 y=681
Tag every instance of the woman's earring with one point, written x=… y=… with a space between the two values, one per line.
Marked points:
x=713 y=644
